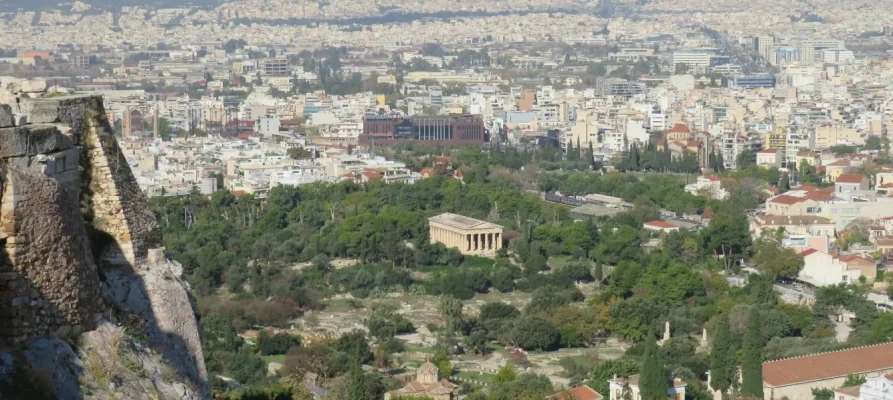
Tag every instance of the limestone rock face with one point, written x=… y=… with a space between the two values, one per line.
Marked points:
x=90 y=307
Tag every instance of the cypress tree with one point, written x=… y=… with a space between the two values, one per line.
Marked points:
x=752 y=361
x=722 y=365
x=784 y=183
x=591 y=156
x=356 y=389
x=599 y=273
x=570 y=151
x=652 y=376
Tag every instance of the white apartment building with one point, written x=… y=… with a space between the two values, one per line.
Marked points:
x=697 y=60
x=837 y=56
x=268 y=125
x=631 y=54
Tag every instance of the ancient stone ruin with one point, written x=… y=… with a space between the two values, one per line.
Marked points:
x=80 y=247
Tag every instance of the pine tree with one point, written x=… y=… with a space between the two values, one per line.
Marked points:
x=752 y=362
x=722 y=365
x=652 y=375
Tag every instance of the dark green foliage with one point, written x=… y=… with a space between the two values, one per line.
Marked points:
x=822 y=394
x=276 y=343
x=525 y=386
x=652 y=376
x=385 y=323
x=607 y=369
x=632 y=317
x=535 y=333
x=355 y=346
x=722 y=365
x=752 y=359
x=245 y=366
x=546 y=299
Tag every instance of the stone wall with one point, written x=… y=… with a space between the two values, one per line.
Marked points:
x=78 y=243
x=48 y=280
x=117 y=206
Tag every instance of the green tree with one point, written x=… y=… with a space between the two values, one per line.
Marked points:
x=652 y=376
x=853 y=380
x=822 y=394
x=775 y=260
x=451 y=312
x=506 y=374
x=746 y=159
x=752 y=360
x=535 y=333
x=727 y=236
x=722 y=366
x=784 y=183
x=599 y=272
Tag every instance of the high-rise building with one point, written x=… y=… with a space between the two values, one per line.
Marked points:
x=451 y=130
x=763 y=45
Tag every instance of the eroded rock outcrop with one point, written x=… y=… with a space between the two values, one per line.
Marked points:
x=81 y=263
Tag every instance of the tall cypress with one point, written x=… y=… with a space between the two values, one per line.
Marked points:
x=591 y=155
x=722 y=365
x=652 y=375
x=356 y=389
x=752 y=360
x=599 y=272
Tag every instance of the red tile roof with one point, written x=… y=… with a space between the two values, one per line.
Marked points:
x=680 y=128
x=786 y=199
x=853 y=258
x=839 y=163
x=807 y=252
x=850 y=178
x=660 y=224
x=581 y=392
x=823 y=366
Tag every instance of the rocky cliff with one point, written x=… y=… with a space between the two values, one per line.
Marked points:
x=90 y=306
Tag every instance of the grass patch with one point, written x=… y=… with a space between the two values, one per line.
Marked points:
x=482 y=378
x=278 y=358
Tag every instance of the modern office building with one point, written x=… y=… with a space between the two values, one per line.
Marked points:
x=449 y=130
x=757 y=81
x=618 y=87
x=275 y=66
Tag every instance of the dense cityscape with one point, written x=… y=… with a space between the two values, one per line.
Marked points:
x=564 y=199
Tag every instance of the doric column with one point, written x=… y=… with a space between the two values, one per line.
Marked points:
x=498 y=241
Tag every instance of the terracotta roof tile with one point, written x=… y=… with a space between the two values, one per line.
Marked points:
x=850 y=178
x=581 y=392
x=680 y=128
x=786 y=199
x=661 y=224
x=829 y=365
